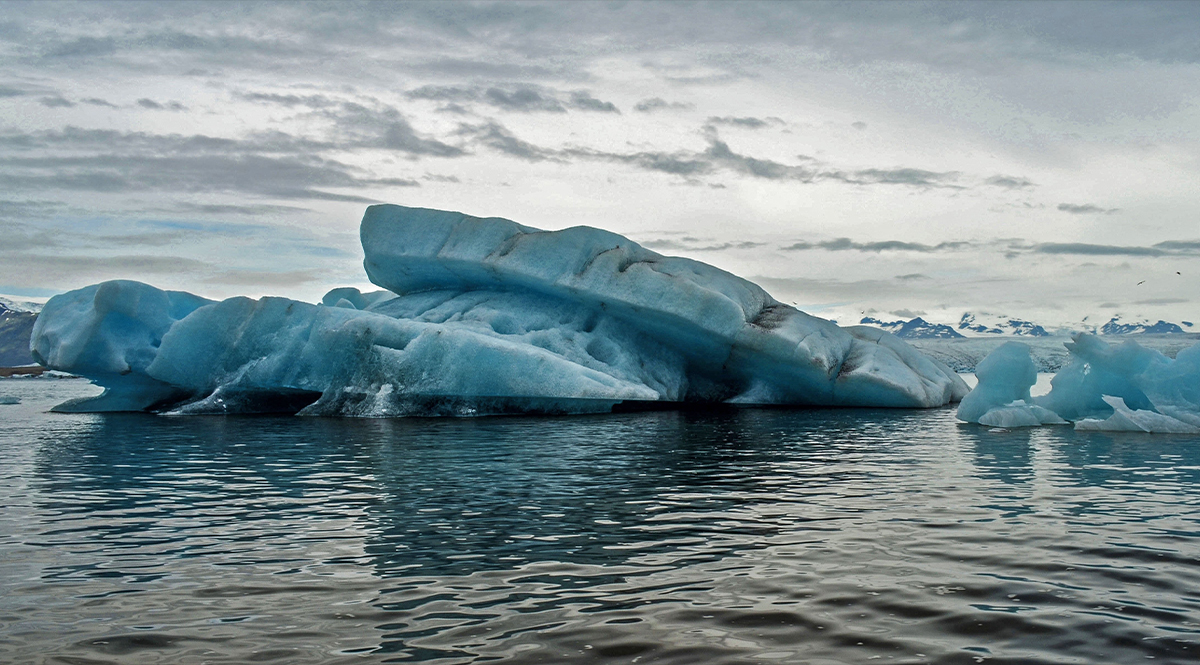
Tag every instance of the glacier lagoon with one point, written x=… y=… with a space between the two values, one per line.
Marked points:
x=719 y=536
x=716 y=532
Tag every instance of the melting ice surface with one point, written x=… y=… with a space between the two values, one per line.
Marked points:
x=1123 y=387
x=479 y=316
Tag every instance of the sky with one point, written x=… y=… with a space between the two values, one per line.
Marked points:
x=1034 y=160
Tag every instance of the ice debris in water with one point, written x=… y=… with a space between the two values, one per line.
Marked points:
x=479 y=316
x=1125 y=420
x=1107 y=387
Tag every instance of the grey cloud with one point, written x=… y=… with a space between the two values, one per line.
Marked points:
x=270 y=164
x=6 y=91
x=1095 y=250
x=525 y=100
x=496 y=137
x=1009 y=182
x=688 y=244
x=56 y=102
x=152 y=239
x=745 y=122
x=76 y=138
x=310 y=101
x=912 y=276
x=844 y=244
x=222 y=228
x=520 y=99
x=434 y=177
x=658 y=103
x=480 y=69
x=1085 y=209
x=667 y=244
x=899 y=176
x=81 y=47
x=19 y=238
x=26 y=209
x=1179 y=245
x=689 y=164
x=859 y=125
x=45 y=270
x=720 y=153
x=456 y=109
x=584 y=101
x=237 y=209
x=443 y=93
x=147 y=103
x=259 y=278
x=386 y=128
x=745 y=244
x=279 y=177
x=682 y=163
x=499 y=41
x=139 y=47
x=96 y=101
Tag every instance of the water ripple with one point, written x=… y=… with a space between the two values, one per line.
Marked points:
x=756 y=536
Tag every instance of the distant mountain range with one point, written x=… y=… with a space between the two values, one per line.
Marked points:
x=917 y=328
x=1000 y=326
x=16 y=325
x=1115 y=327
x=984 y=325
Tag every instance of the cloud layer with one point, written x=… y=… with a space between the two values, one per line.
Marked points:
x=871 y=153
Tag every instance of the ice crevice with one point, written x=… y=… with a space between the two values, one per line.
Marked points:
x=479 y=316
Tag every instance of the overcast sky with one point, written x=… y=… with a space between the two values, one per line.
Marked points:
x=1034 y=160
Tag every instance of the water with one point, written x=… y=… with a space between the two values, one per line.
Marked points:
x=752 y=536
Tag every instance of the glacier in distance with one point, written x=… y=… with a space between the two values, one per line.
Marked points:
x=479 y=316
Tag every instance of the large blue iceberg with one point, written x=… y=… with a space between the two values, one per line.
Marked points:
x=479 y=316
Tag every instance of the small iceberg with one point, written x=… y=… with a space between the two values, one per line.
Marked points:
x=1105 y=387
x=479 y=316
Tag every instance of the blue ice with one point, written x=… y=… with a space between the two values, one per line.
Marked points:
x=477 y=316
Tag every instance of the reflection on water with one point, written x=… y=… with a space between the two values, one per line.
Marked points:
x=681 y=537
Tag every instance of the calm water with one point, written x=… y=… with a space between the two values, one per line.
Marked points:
x=754 y=536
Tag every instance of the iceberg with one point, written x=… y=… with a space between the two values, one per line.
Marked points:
x=479 y=316
x=1001 y=398
x=1105 y=387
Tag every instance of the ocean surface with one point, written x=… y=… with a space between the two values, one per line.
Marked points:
x=739 y=536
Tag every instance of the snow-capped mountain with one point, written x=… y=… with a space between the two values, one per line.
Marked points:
x=982 y=324
x=1116 y=327
x=986 y=324
x=16 y=305
x=916 y=328
x=15 y=328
